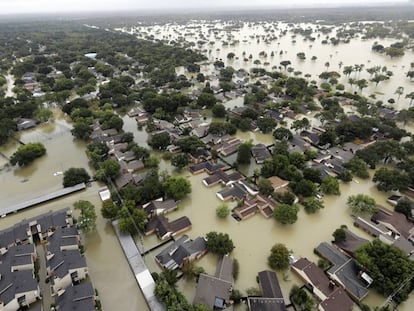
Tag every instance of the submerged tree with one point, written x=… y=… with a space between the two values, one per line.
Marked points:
x=279 y=257
x=26 y=154
x=87 y=218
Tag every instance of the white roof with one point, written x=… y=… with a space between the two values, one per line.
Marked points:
x=105 y=194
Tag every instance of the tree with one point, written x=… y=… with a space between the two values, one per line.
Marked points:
x=219 y=243
x=358 y=167
x=301 y=299
x=330 y=185
x=286 y=214
x=109 y=210
x=266 y=125
x=189 y=144
x=404 y=207
x=391 y=179
x=179 y=160
x=206 y=100
x=159 y=141
x=219 y=111
x=190 y=270
x=43 y=114
x=279 y=257
x=339 y=235
x=362 y=84
x=399 y=91
x=285 y=63
x=282 y=133
x=312 y=205
x=410 y=96
x=26 y=154
x=87 y=218
x=388 y=266
x=81 y=130
x=362 y=204
x=244 y=153
x=111 y=169
x=300 y=124
x=176 y=187
x=222 y=211
x=131 y=219
x=230 y=55
x=265 y=186
x=74 y=176
x=304 y=187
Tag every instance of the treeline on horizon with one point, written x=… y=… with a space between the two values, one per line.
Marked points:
x=149 y=17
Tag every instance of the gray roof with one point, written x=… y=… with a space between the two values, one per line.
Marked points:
x=18 y=232
x=16 y=282
x=270 y=284
x=79 y=297
x=344 y=269
x=236 y=191
x=212 y=291
x=265 y=304
x=63 y=261
x=215 y=291
x=174 y=255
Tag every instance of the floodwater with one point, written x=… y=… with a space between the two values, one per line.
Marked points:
x=108 y=267
x=254 y=237
x=10 y=84
x=251 y=39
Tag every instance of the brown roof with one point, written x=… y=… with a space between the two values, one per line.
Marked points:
x=278 y=182
x=352 y=242
x=396 y=220
x=316 y=275
x=338 y=301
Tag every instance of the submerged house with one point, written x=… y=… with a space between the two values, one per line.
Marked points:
x=215 y=291
x=331 y=296
x=181 y=252
x=160 y=207
x=345 y=271
x=166 y=229
x=260 y=153
x=252 y=206
x=223 y=178
x=272 y=297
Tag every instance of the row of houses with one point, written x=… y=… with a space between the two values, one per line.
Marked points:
x=65 y=265
x=344 y=281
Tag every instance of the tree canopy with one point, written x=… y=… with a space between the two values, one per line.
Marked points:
x=286 y=214
x=388 y=266
x=279 y=257
x=26 y=154
x=219 y=243
x=362 y=204
x=177 y=187
x=87 y=218
x=74 y=176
